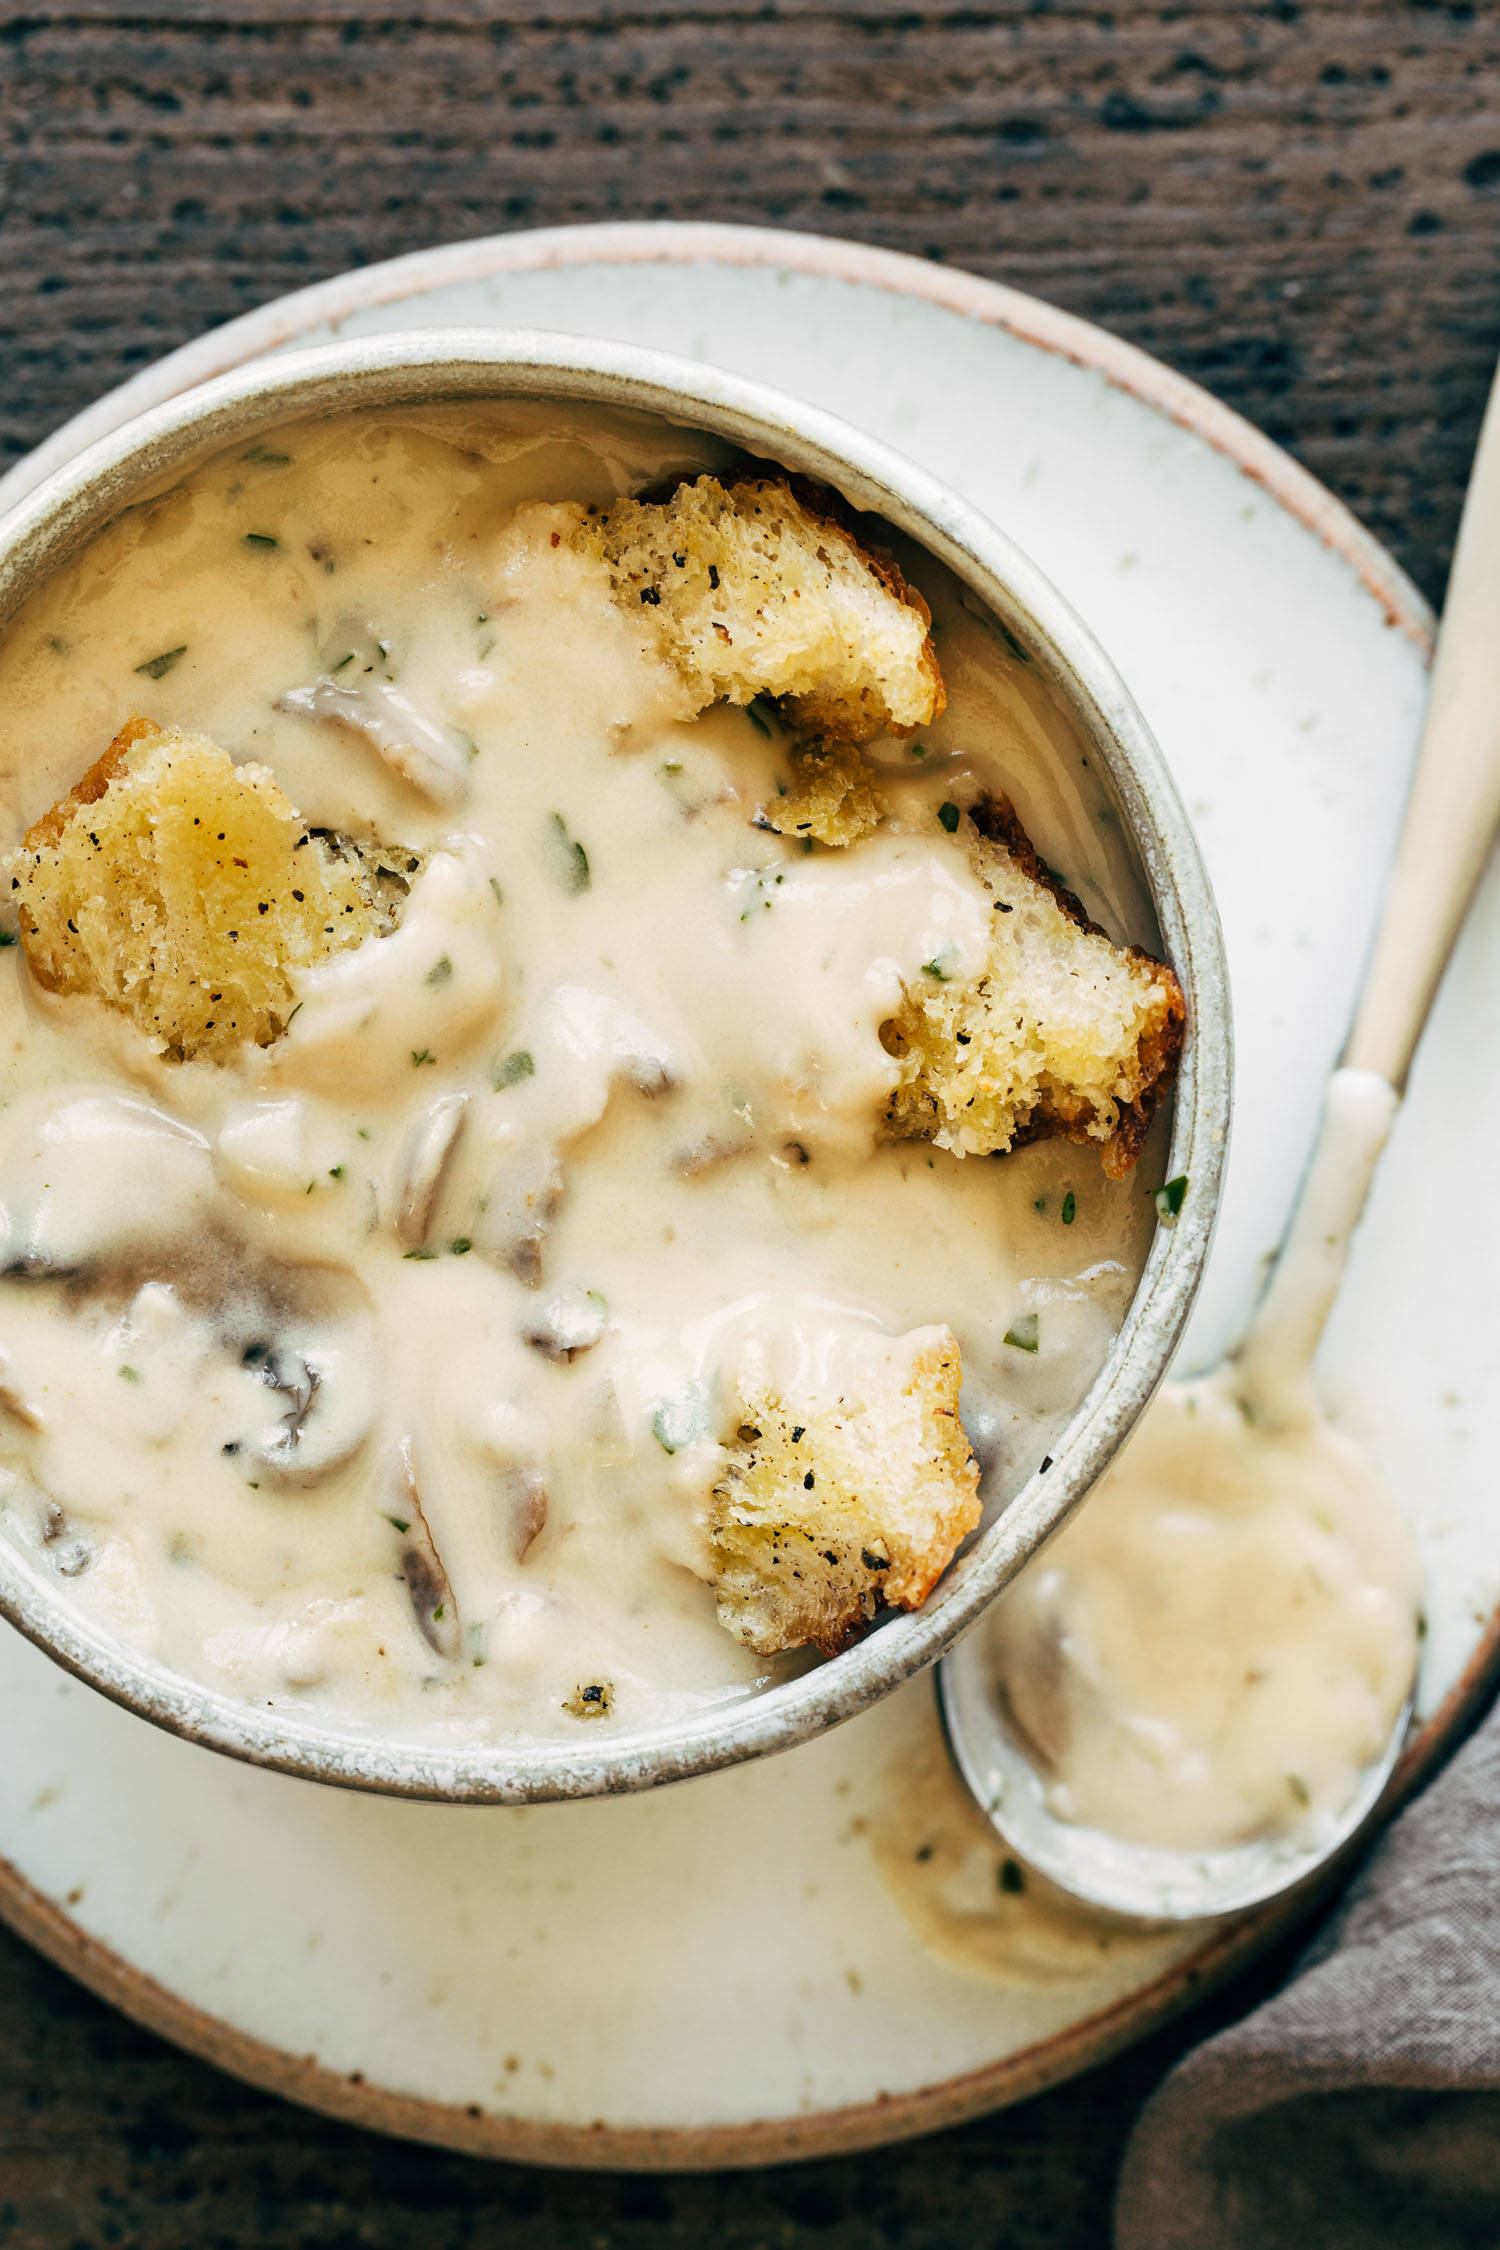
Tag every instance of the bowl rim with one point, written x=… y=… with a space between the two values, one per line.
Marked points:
x=77 y=498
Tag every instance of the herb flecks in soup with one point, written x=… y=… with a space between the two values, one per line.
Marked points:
x=499 y=1045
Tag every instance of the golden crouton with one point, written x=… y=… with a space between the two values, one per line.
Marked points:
x=1063 y=1034
x=826 y=1514
x=831 y=799
x=184 y=890
x=758 y=587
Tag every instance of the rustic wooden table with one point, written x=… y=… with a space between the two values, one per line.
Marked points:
x=1295 y=201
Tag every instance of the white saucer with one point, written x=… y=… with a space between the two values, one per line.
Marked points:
x=723 y=1972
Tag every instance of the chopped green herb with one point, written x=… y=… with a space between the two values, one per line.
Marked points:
x=344 y=662
x=420 y=1055
x=399 y=1523
x=919 y=749
x=335 y=1171
x=1069 y=1209
x=422 y=1253
x=309 y=1187
x=570 y=862
x=682 y=1421
x=1025 y=1332
x=301 y=1004
x=260 y=539
x=476 y=1637
x=440 y=972
x=499 y=894
x=950 y=816
x=363 y=1131
x=1012 y=1877
x=157 y=667
x=7 y=937
x=439 y=1613
x=131 y=1375
x=1040 y=1203
x=514 y=1068
x=1168 y=1199
x=755 y=883
x=599 y=1305
x=941 y=966
x=1299 y=1788
x=460 y=1246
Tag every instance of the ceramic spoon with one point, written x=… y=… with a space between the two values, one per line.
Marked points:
x=1450 y=824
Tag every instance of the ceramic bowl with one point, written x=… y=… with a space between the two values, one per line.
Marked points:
x=78 y=498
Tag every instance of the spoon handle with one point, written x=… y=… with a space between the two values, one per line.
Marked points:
x=1450 y=823
x=1454 y=806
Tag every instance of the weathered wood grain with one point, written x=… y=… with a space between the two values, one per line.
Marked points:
x=108 y=2137
x=1295 y=201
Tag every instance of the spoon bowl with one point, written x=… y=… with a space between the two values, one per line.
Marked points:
x=1143 y=1883
x=1450 y=825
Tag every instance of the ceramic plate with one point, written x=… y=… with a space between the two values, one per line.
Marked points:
x=820 y=1951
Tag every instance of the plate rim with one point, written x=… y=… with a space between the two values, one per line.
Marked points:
x=995 y=304
x=470 y=2128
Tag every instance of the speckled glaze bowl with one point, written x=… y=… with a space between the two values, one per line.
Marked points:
x=77 y=499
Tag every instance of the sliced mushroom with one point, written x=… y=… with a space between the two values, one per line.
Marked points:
x=569 y=1323
x=120 y=1201
x=320 y=1354
x=15 y=1403
x=517 y=1213
x=92 y=1186
x=70 y=1556
x=714 y=1148
x=424 y=1161
x=427 y=1581
x=593 y=1028
x=357 y=691
x=512 y=1439
x=525 y=1498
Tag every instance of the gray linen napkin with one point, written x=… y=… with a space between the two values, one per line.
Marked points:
x=1360 y=2106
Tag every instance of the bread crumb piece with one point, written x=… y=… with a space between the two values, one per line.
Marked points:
x=826 y=1514
x=184 y=890
x=758 y=587
x=1063 y=1034
x=832 y=798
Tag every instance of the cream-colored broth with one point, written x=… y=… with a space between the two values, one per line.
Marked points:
x=627 y=1113
x=1218 y=1647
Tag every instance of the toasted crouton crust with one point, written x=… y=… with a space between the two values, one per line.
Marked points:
x=827 y=1514
x=832 y=797
x=759 y=586
x=1063 y=1034
x=184 y=890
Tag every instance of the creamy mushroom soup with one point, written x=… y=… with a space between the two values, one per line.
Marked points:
x=382 y=1372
